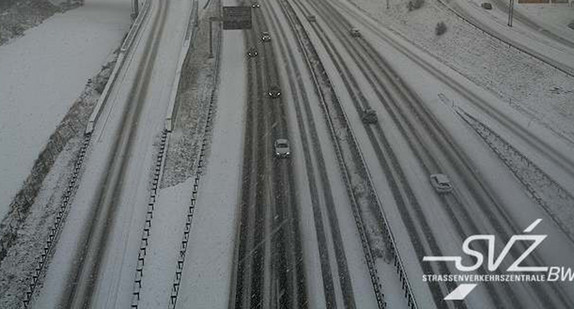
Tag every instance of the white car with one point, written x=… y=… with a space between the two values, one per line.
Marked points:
x=441 y=183
x=282 y=149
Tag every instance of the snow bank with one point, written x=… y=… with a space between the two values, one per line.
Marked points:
x=71 y=126
x=41 y=76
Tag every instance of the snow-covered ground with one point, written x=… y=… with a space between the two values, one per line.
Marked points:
x=41 y=76
x=209 y=261
x=16 y=16
x=528 y=85
x=557 y=15
x=553 y=41
x=21 y=259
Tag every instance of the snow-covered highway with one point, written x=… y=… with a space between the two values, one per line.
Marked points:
x=317 y=159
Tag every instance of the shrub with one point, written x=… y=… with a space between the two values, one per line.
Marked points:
x=415 y=4
x=17 y=30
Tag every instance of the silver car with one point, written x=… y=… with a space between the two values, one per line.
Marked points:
x=441 y=183
x=282 y=149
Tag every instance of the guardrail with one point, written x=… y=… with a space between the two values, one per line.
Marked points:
x=316 y=67
x=124 y=48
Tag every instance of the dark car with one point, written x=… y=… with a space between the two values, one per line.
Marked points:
x=281 y=148
x=355 y=32
x=265 y=36
x=274 y=92
x=252 y=52
x=486 y=6
x=311 y=18
x=441 y=183
x=369 y=116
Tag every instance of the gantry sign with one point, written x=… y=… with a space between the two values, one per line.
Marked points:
x=236 y=17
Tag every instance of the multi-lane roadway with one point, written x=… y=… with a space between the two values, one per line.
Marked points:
x=343 y=221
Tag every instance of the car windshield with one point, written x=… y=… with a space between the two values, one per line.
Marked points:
x=286 y=154
x=441 y=179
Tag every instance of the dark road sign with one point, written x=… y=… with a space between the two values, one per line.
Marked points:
x=236 y=17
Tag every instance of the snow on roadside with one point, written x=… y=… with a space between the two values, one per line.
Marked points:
x=21 y=258
x=168 y=224
x=554 y=40
x=18 y=16
x=41 y=76
x=527 y=84
x=207 y=272
x=558 y=15
x=23 y=231
x=193 y=97
x=555 y=200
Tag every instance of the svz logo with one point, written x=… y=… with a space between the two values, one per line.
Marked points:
x=493 y=263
